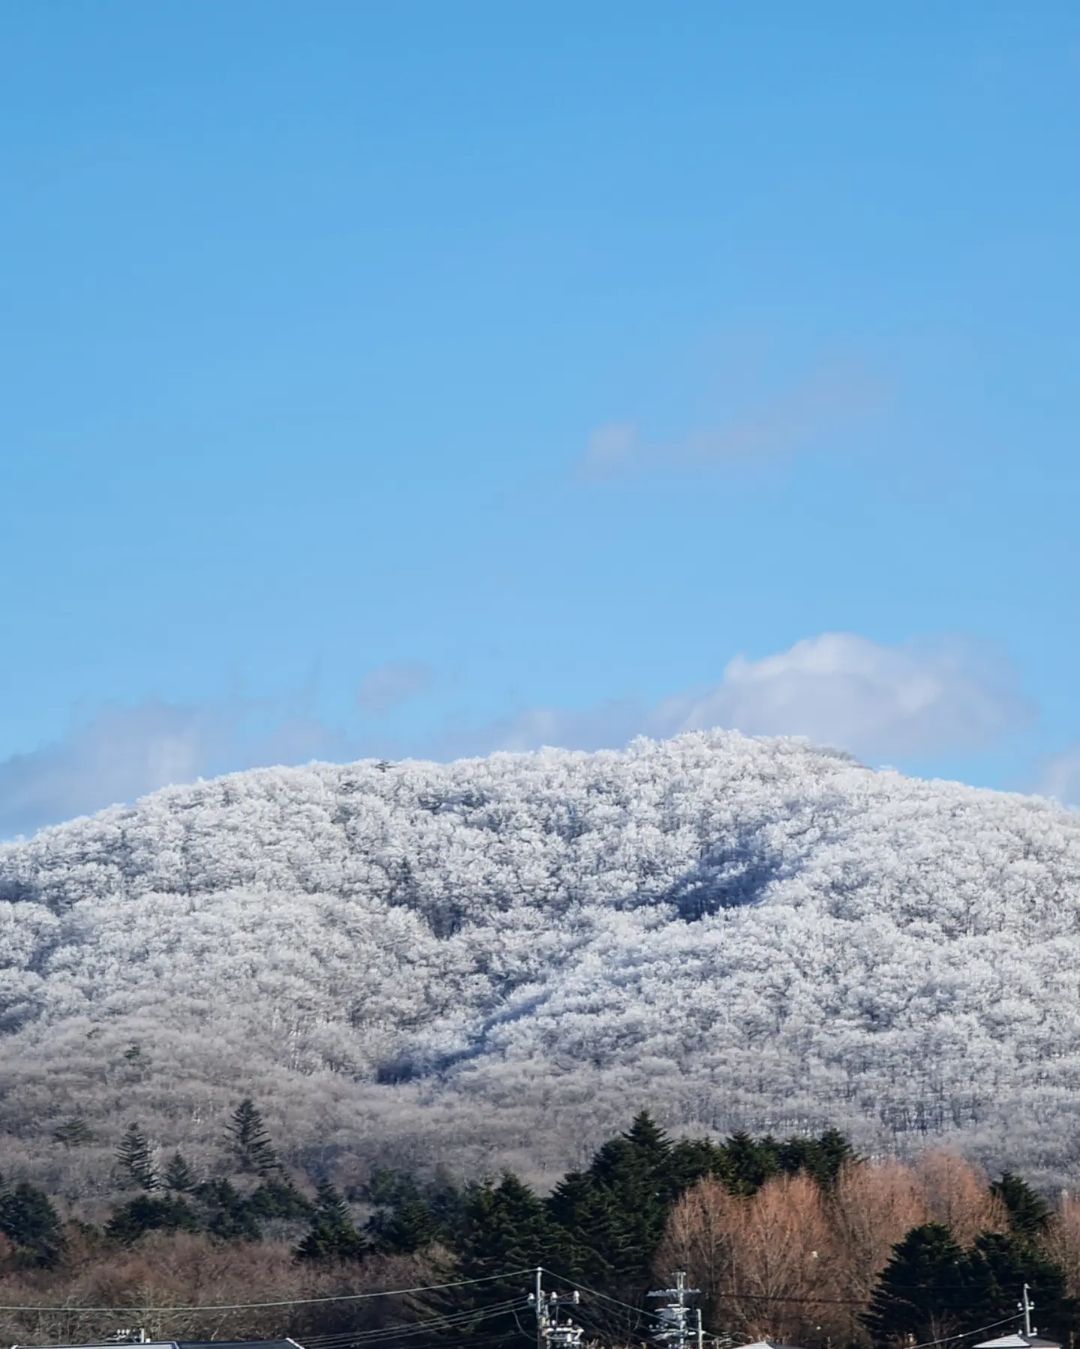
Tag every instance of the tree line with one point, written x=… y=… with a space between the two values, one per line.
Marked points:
x=796 y=1239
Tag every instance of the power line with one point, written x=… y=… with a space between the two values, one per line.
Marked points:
x=949 y=1339
x=378 y=1333
x=281 y=1302
x=387 y=1334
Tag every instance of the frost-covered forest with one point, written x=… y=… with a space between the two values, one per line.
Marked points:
x=495 y=961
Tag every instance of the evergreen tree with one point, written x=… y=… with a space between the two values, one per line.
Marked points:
x=927 y=1290
x=504 y=1227
x=1029 y=1213
x=151 y=1213
x=1002 y=1264
x=277 y=1198
x=31 y=1224
x=407 y=1227
x=749 y=1163
x=332 y=1235
x=73 y=1133
x=179 y=1177
x=635 y=1170
x=136 y=1159
x=692 y=1159
x=249 y=1140
x=590 y=1243
x=830 y=1154
x=226 y=1212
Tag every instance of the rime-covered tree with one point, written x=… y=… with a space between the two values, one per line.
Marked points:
x=583 y=925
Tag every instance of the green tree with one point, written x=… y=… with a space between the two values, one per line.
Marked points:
x=227 y=1214
x=504 y=1227
x=333 y=1234
x=750 y=1162
x=31 y=1224
x=590 y=1242
x=150 y=1213
x=927 y=1290
x=406 y=1227
x=278 y=1198
x=636 y=1171
x=136 y=1159
x=73 y=1133
x=178 y=1176
x=1029 y=1213
x=1002 y=1263
x=249 y=1140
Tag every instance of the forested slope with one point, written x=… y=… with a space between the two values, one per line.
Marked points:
x=496 y=959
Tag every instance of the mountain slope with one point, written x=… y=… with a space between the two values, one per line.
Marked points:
x=519 y=949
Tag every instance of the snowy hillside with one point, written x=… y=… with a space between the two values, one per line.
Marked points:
x=525 y=947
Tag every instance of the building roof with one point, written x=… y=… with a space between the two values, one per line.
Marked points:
x=1018 y=1341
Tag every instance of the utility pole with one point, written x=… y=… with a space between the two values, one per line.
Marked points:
x=553 y=1331
x=674 y=1315
x=1027 y=1307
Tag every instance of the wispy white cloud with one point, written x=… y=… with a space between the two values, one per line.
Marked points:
x=836 y=689
x=1060 y=777
x=792 y=421
x=390 y=685
x=875 y=700
x=121 y=753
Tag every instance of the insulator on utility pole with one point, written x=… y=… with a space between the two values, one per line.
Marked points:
x=674 y=1315
x=553 y=1330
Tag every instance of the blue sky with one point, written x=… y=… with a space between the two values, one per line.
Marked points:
x=427 y=378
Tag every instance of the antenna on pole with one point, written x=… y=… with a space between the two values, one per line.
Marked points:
x=674 y=1315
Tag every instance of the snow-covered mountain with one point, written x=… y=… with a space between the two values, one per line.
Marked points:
x=498 y=959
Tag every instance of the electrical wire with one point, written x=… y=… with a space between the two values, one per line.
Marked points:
x=950 y=1339
x=378 y=1334
x=282 y=1302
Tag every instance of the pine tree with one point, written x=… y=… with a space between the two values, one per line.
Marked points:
x=928 y=1289
x=226 y=1212
x=749 y=1162
x=590 y=1243
x=179 y=1177
x=73 y=1133
x=1029 y=1213
x=150 y=1213
x=407 y=1227
x=829 y=1155
x=635 y=1169
x=249 y=1140
x=1002 y=1264
x=136 y=1159
x=332 y=1235
x=31 y=1224
x=278 y=1198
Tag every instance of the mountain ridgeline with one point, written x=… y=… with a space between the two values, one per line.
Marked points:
x=493 y=961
